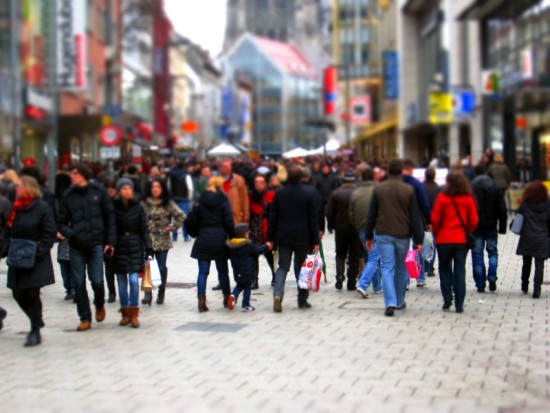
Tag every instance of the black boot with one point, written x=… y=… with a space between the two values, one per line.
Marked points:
x=217 y=287
x=112 y=297
x=160 y=296
x=536 y=291
x=33 y=338
x=3 y=314
x=303 y=295
x=255 y=285
x=147 y=298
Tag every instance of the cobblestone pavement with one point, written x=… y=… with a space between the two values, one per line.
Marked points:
x=342 y=355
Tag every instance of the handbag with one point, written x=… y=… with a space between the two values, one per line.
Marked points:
x=470 y=238
x=147 y=281
x=517 y=224
x=22 y=253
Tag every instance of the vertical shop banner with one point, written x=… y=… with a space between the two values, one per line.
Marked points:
x=330 y=85
x=361 y=110
x=71 y=44
x=391 y=74
x=161 y=76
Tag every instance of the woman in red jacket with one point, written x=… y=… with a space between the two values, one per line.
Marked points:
x=450 y=230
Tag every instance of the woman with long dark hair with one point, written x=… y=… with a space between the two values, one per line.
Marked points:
x=31 y=219
x=454 y=216
x=534 y=241
x=163 y=218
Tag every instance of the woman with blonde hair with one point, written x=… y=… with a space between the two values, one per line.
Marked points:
x=31 y=227
x=215 y=226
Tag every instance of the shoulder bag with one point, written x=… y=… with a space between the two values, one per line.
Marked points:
x=470 y=238
x=22 y=253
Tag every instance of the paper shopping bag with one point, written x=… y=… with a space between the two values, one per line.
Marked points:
x=146 y=281
x=155 y=273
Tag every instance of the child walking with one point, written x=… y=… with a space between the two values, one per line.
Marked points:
x=244 y=257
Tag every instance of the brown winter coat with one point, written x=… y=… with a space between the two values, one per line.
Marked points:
x=238 y=198
x=158 y=218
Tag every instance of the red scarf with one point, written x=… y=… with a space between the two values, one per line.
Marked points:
x=20 y=204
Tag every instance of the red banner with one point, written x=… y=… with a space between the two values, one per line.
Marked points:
x=161 y=71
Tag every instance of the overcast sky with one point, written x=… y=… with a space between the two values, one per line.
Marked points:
x=202 y=21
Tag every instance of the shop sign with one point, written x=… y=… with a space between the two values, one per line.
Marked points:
x=391 y=74
x=361 y=110
x=71 y=44
x=464 y=103
x=109 y=153
x=527 y=69
x=491 y=82
x=111 y=135
x=40 y=100
x=441 y=108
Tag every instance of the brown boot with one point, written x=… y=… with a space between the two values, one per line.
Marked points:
x=125 y=316
x=202 y=304
x=134 y=316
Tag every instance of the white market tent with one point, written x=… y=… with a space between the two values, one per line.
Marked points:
x=224 y=149
x=296 y=153
x=330 y=148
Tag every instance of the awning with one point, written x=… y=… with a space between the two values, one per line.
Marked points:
x=505 y=9
x=415 y=6
x=376 y=130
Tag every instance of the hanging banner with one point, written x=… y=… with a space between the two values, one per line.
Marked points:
x=330 y=84
x=71 y=44
x=391 y=74
x=441 y=108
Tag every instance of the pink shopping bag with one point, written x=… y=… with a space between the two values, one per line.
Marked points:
x=413 y=263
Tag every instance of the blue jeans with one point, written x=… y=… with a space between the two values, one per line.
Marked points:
x=185 y=206
x=452 y=272
x=393 y=252
x=372 y=267
x=488 y=240
x=246 y=288
x=92 y=259
x=123 y=289
x=223 y=276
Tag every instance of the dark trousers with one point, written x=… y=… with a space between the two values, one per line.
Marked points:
x=31 y=304
x=452 y=272
x=161 y=257
x=110 y=276
x=285 y=258
x=91 y=260
x=348 y=246
x=526 y=271
x=246 y=288
x=68 y=283
x=269 y=258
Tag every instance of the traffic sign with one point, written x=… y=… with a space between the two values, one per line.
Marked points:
x=111 y=135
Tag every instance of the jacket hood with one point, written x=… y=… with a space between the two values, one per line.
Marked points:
x=236 y=243
x=212 y=200
x=483 y=182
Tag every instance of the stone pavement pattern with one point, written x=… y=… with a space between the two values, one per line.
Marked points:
x=342 y=355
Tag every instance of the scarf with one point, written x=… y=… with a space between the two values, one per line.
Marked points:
x=20 y=204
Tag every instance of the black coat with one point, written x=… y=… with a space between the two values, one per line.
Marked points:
x=133 y=239
x=534 y=240
x=337 y=210
x=293 y=217
x=491 y=207
x=244 y=258
x=35 y=223
x=325 y=184
x=86 y=217
x=216 y=225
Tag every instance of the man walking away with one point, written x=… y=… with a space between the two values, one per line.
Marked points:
x=181 y=190
x=293 y=227
x=491 y=209
x=393 y=219
x=346 y=239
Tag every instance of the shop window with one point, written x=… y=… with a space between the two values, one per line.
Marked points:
x=75 y=149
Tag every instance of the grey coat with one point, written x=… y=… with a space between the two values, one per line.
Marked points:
x=534 y=240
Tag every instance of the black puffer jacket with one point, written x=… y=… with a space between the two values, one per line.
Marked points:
x=86 y=217
x=491 y=207
x=216 y=225
x=534 y=240
x=133 y=239
x=36 y=223
x=244 y=257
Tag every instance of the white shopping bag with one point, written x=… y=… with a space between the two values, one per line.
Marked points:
x=155 y=273
x=311 y=273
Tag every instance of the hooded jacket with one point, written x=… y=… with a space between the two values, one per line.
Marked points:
x=215 y=226
x=491 y=207
x=244 y=257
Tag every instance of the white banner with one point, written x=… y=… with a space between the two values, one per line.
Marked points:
x=71 y=44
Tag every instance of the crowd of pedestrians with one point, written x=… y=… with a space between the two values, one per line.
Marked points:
x=109 y=223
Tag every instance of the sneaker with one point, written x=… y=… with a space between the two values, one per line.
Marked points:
x=378 y=292
x=247 y=309
x=231 y=302
x=430 y=274
x=69 y=296
x=277 y=304
x=100 y=314
x=447 y=305
x=362 y=292
x=389 y=311
x=420 y=284
x=492 y=286
x=459 y=310
x=304 y=305
x=84 y=325
x=481 y=290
